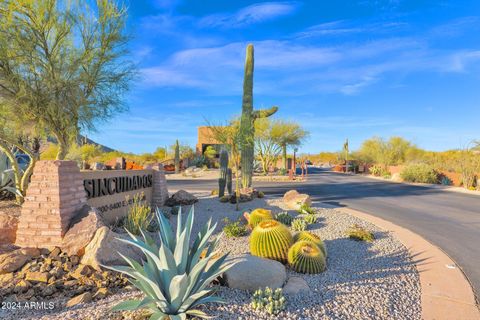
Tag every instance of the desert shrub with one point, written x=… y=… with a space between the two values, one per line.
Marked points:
x=139 y=215
x=173 y=276
x=378 y=171
x=234 y=229
x=299 y=224
x=306 y=209
x=271 y=301
x=214 y=192
x=282 y=172
x=261 y=194
x=446 y=181
x=359 y=233
x=419 y=173
x=224 y=199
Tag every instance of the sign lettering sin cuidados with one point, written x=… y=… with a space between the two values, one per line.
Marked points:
x=109 y=186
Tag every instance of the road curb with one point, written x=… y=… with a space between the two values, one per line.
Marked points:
x=446 y=292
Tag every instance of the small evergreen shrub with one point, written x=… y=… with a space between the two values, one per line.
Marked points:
x=359 y=233
x=422 y=173
x=234 y=229
x=260 y=194
x=299 y=224
x=271 y=301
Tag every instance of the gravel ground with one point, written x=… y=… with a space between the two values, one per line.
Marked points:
x=363 y=280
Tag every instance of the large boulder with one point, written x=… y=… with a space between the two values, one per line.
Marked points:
x=104 y=248
x=294 y=200
x=8 y=228
x=181 y=198
x=296 y=285
x=252 y=273
x=81 y=231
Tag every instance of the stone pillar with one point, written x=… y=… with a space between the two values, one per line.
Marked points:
x=160 y=190
x=54 y=195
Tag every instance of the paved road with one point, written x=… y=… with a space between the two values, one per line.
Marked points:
x=448 y=219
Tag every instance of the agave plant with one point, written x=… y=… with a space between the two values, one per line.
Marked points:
x=174 y=277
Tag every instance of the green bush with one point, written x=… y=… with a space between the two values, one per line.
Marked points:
x=419 y=173
x=139 y=215
x=234 y=229
x=269 y=300
x=378 y=171
x=306 y=209
x=359 y=233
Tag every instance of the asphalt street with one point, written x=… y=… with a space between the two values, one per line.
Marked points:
x=449 y=220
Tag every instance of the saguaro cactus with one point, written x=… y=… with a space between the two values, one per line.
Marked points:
x=247 y=129
x=177 y=157
x=229 y=181
x=222 y=181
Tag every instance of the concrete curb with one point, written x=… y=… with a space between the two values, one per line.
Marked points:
x=434 y=186
x=446 y=292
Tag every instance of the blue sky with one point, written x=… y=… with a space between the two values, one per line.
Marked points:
x=344 y=69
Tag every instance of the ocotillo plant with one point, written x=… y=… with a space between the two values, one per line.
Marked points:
x=229 y=181
x=247 y=129
x=177 y=157
x=222 y=181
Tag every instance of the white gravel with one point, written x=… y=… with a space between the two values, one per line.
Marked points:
x=363 y=280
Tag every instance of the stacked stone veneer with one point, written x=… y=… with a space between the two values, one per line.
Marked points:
x=160 y=190
x=54 y=195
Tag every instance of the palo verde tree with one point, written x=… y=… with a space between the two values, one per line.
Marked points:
x=63 y=64
x=247 y=121
x=266 y=148
x=287 y=134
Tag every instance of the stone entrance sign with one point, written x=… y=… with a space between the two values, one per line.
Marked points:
x=59 y=190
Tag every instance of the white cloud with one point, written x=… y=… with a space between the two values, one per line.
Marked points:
x=256 y=13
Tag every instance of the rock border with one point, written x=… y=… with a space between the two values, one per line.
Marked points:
x=443 y=296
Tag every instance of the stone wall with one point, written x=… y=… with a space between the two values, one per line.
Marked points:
x=54 y=195
x=57 y=193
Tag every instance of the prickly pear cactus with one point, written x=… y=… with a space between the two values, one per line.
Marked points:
x=306 y=257
x=271 y=239
x=177 y=157
x=247 y=129
x=222 y=181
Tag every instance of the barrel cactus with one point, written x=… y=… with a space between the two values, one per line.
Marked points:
x=258 y=215
x=222 y=181
x=271 y=239
x=247 y=120
x=306 y=257
x=308 y=236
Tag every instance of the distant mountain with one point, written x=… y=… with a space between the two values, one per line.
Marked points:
x=81 y=140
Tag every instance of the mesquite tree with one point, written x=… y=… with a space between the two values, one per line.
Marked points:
x=63 y=64
x=247 y=121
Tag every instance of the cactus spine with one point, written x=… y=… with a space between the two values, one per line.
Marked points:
x=247 y=129
x=177 y=157
x=270 y=239
x=308 y=236
x=222 y=181
x=229 y=181
x=258 y=215
x=306 y=257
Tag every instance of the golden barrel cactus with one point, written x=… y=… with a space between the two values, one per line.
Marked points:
x=258 y=215
x=308 y=236
x=306 y=257
x=270 y=239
